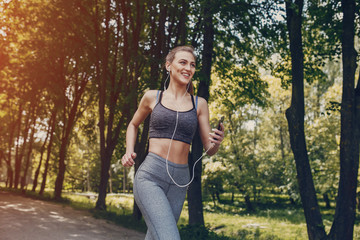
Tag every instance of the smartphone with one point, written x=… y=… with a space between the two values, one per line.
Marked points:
x=220 y=121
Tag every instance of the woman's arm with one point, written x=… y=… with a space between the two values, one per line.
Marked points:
x=211 y=138
x=144 y=109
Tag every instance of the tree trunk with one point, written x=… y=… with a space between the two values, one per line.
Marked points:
x=327 y=200
x=248 y=204
x=2 y=156
x=10 y=175
x=110 y=181
x=194 y=195
x=218 y=196
x=105 y=166
x=213 y=198
x=181 y=36
x=343 y=225
x=108 y=97
x=88 y=186
x=124 y=180
x=100 y=203
x=49 y=148
x=10 y=171
x=196 y=215
x=19 y=152
x=28 y=156
x=295 y=118
x=61 y=169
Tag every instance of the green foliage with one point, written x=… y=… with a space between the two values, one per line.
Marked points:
x=197 y=232
x=124 y=220
x=214 y=179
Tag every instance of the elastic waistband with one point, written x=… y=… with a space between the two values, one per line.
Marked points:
x=159 y=158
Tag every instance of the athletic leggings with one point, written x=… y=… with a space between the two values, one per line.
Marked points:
x=159 y=199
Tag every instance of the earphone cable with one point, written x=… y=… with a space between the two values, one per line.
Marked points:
x=168 y=153
x=167 y=165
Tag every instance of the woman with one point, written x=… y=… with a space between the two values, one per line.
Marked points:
x=159 y=184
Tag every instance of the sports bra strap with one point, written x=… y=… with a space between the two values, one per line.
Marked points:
x=161 y=93
x=157 y=96
x=196 y=102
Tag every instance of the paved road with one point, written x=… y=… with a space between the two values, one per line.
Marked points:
x=24 y=218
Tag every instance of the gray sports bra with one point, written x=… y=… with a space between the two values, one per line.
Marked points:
x=163 y=120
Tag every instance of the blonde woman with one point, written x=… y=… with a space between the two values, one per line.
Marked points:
x=161 y=180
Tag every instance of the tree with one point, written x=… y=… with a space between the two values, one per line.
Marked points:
x=194 y=196
x=295 y=117
x=111 y=82
x=74 y=74
x=52 y=126
x=17 y=84
x=343 y=225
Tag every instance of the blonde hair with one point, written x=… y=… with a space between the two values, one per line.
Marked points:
x=171 y=56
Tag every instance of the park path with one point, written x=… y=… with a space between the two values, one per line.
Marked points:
x=23 y=218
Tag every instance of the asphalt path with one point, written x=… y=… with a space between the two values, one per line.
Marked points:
x=23 y=218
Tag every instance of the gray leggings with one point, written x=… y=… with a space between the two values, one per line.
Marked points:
x=158 y=198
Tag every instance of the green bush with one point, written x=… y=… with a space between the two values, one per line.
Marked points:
x=199 y=232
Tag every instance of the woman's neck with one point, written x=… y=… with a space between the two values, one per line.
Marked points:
x=176 y=91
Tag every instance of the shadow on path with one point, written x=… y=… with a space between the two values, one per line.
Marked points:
x=23 y=218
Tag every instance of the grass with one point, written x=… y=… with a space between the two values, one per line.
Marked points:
x=119 y=209
x=270 y=225
x=273 y=219
x=236 y=222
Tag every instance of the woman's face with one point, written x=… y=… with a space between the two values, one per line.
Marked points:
x=182 y=67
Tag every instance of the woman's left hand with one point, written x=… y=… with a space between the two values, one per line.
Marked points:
x=217 y=136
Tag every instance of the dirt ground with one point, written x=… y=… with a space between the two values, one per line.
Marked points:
x=23 y=218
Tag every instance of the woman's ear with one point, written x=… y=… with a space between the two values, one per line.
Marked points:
x=168 y=68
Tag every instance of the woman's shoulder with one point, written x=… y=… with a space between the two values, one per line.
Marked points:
x=151 y=93
x=201 y=101
x=201 y=104
x=150 y=96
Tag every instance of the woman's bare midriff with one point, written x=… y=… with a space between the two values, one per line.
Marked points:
x=178 y=153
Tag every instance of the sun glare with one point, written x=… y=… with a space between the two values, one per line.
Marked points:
x=2 y=4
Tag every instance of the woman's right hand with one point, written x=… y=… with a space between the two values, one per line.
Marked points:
x=128 y=159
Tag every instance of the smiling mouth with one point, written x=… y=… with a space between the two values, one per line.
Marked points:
x=186 y=75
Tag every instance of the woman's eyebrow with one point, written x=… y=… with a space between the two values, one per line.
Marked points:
x=182 y=59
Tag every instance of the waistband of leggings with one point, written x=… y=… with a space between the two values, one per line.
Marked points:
x=172 y=164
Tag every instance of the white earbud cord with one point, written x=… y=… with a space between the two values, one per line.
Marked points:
x=167 y=156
